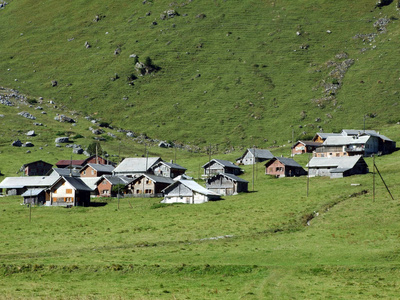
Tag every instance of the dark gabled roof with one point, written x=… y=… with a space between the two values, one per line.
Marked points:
x=63 y=172
x=36 y=162
x=100 y=167
x=170 y=165
x=290 y=162
x=258 y=153
x=308 y=143
x=114 y=180
x=230 y=176
x=157 y=179
x=76 y=183
x=224 y=163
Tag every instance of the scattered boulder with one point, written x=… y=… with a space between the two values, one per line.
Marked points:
x=54 y=83
x=63 y=139
x=97 y=131
x=164 y=144
x=27 y=144
x=31 y=133
x=63 y=118
x=77 y=150
x=27 y=115
x=130 y=134
x=16 y=143
x=87 y=45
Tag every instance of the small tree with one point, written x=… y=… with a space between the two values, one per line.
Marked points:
x=118 y=189
x=94 y=148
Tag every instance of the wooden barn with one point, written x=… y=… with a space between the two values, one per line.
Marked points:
x=36 y=168
x=284 y=167
x=35 y=196
x=254 y=155
x=227 y=184
x=216 y=166
x=189 y=192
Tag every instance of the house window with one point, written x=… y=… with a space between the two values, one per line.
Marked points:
x=105 y=192
x=104 y=182
x=148 y=191
x=92 y=172
x=84 y=172
x=138 y=192
x=148 y=181
x=139 y=182
x=68 y=191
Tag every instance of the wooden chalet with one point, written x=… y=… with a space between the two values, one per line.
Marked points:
x=69 y=191
x=301 y=147
x=106 y=184
x=36 y=168
x=254 y=155
x=337 y=167
x=284 y=167
x=189 y=192
x=227 y=184
x=149 y=185
x=320 y=137
x=166 y=169
x=216 y=166
x=96 y=170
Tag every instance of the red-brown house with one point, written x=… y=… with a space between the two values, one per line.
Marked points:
x=96 y=170
x=305 y=147
x=106 y=184
x=284 y=167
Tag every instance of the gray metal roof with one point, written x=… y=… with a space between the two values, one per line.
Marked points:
x=224 y=163
x=345 y=140
x=290 y=162
x=91 y=182
x=32 y=192
x=63 y=172
x=28 y=181
x=309 y=143
x=136 y=164
x=171 y=165
x=158 y=179
x=343 y=162
x=365 y=132
x=231 y=176
x=100 y=167
x=260 y=153
x=324 y=135
x=194 y=186
x=117 y=179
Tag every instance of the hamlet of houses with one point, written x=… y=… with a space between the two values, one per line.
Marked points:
x=75 y=182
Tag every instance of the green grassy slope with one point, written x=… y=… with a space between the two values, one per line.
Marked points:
x=240 y=75
x=349 y=248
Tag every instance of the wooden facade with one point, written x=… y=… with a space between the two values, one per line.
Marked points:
x=96 y=170
x=69 y=191
x=254 y=155
x=305 y=147
x=37 y=168
x=284 y=167
x=227 y=184
x=170 y=170
x=148 y=185
x=216 y=166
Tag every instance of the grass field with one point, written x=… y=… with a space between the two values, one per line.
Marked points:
x=250 y=246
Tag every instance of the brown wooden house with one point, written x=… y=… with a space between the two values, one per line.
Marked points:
x=301 y=147
x=106 y=184
x=149 y=185
x=96 y=170
x=284 y=167
x=166 y=169
x=36 y=168
x=216 y=166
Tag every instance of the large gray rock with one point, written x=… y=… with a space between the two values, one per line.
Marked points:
x=63 y=118
x=63 y=139
x=27 y=115
x=31 y=133
x=16 y=143
x=77 y=150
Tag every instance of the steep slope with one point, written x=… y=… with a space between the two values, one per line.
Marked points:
x=231 y=72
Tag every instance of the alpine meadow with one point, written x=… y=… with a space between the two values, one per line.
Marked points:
x=189 y=81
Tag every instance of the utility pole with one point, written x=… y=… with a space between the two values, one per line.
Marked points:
x=308 y=173
x=254 y=163
x=373 y=179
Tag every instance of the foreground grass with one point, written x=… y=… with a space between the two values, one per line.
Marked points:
x=348 y=250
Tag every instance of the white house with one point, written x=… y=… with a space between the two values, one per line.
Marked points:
x=188 y=191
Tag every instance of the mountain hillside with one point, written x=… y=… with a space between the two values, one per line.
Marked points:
x=221 y=72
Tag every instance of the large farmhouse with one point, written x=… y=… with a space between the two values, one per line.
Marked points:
x=337 y=167
x=227 y=184
x=284 y=167
x=135 y=166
